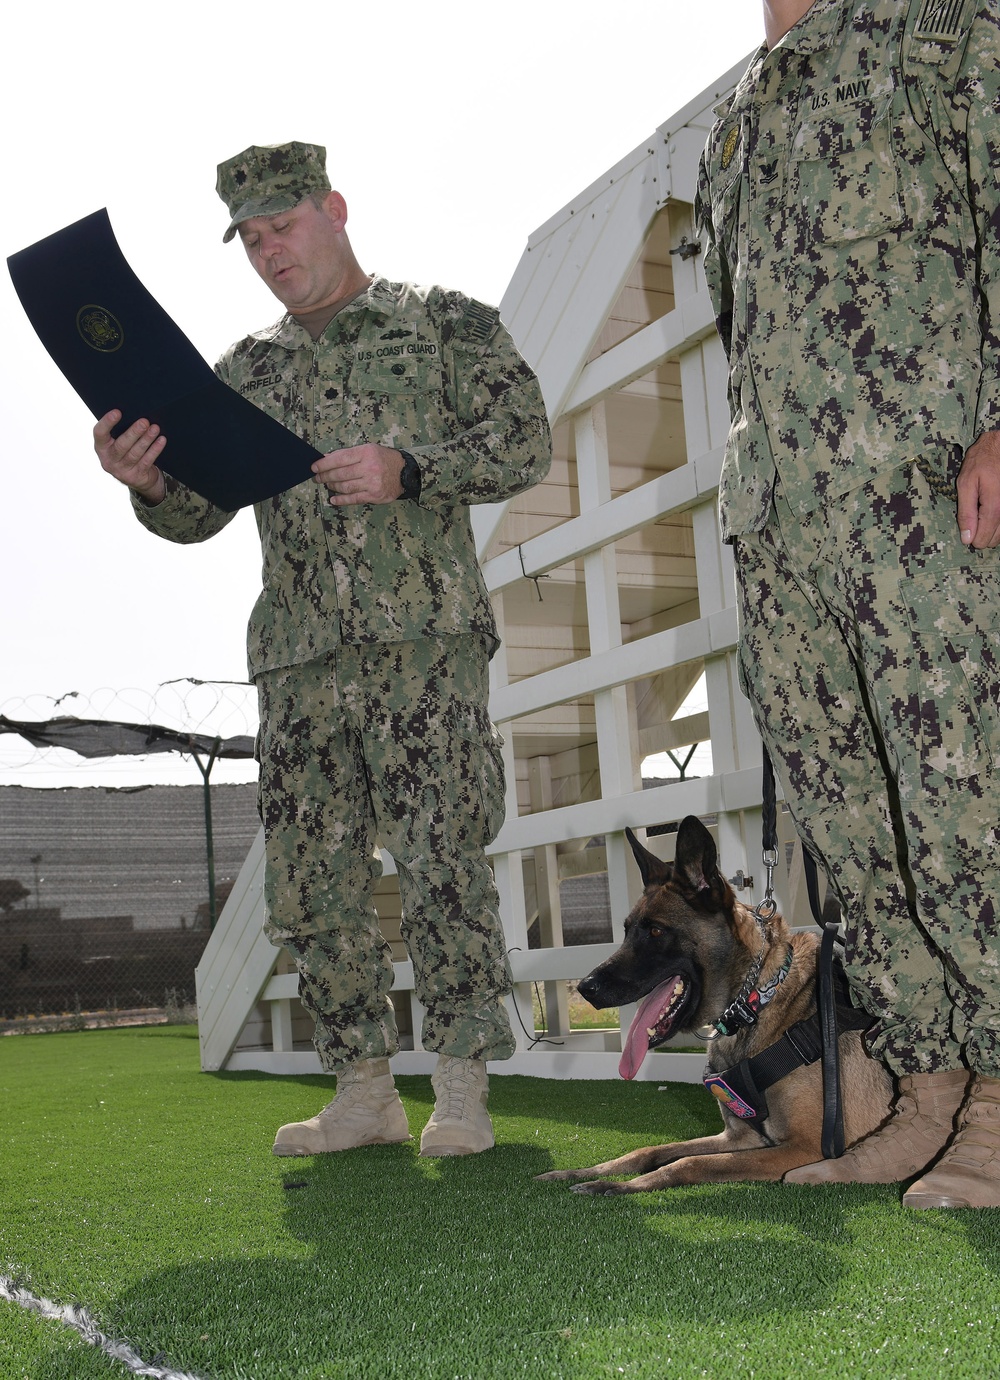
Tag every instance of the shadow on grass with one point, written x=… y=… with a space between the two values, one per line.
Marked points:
x=392 y=1266
x=468 y=1267
x=399 y=1266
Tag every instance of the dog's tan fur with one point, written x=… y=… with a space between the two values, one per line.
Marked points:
x=689 y=920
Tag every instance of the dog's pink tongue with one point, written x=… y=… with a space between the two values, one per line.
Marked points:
x=637 y=1040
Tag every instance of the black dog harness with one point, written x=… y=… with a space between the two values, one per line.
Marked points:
x=742 y=1087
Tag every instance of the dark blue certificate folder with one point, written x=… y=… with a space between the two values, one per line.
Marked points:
x=119 y=348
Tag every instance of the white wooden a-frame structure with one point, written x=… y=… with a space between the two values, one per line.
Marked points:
x=613 y=594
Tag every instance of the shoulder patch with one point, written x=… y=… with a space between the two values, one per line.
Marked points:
x=477 y=324
x=940 y=21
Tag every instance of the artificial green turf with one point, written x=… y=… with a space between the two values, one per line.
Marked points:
x=146 y=1190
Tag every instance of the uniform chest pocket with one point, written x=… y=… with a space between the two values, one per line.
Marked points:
x=410 y=367
x=845 y=179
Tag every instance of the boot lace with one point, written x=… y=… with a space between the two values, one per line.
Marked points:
x=356 y=1100
x=977 y=1142
x=458 y=1092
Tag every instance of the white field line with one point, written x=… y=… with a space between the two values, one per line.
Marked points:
x=77 y=1317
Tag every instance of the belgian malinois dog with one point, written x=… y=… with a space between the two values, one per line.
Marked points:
x=700 y=961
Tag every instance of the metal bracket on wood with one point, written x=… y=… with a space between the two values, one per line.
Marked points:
x=687 y=249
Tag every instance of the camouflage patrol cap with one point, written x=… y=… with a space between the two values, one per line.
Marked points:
x=266 y=179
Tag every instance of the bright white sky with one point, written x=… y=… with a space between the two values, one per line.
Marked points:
x=453 y=130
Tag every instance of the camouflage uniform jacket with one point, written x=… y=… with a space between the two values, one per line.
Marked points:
x=425 y=369
x=849 y=193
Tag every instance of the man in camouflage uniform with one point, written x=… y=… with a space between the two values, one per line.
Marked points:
x=850 y=199
x=370 y=641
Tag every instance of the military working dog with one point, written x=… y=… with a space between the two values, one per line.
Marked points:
x=700 y=961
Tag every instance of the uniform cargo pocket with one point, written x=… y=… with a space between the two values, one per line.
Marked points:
x=479 y=751
x=955 y=677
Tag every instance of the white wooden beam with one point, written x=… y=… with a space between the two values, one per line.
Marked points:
x=673 y=647
x=702 y=796
x=681 y=329
x=677 y=491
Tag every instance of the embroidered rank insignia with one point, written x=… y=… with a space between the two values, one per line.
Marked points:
x=729 y=147
x=719 y=1088
x=940 y=21
x=478 y=323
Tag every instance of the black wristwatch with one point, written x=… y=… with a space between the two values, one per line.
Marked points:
x=410 y=477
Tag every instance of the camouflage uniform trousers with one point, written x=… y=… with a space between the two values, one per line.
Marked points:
x=391 y=741
x=870 y=651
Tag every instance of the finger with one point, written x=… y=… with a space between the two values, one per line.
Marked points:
x=348 y=457
x=137 y=438
x=968 y=509
x=979 y=512
x=329 y=476
x=356 y=495
x=137 y=466
x=333 y=460
x=988 y=523
x=151 y=451
x=988 y=532
x=350 y=488
x=103 y=427
x=334 y=470
x=140 y=456
x=346 y=484
x=130 y=445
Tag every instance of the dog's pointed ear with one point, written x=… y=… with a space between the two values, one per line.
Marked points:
x=696 y=857
x=653 y=870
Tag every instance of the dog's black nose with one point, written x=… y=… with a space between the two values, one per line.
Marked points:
x=590 y=990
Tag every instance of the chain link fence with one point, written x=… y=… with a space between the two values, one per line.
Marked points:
x=112 y=871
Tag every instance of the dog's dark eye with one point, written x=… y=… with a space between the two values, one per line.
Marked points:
x=655 y=932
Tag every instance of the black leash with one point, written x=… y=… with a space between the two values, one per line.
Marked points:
x=826 y=1001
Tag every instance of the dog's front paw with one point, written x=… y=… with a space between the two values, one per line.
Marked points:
x=556 y=1176
x=599 y=1186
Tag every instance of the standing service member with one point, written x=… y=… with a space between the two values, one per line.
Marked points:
x=370 y=641
x=851 y=201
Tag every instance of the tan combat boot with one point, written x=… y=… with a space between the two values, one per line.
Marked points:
x=968 y=1173
x=366 y=1111
x=460 y=1123
x=921 y=1124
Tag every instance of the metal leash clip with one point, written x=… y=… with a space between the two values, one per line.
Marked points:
x=768 y=906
